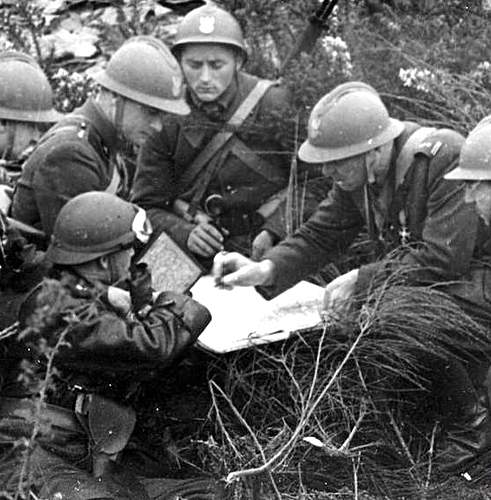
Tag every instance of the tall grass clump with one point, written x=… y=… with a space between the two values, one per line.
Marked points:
x=346 y=407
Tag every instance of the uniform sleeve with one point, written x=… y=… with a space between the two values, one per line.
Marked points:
x=318 y=241
x=172 y=325
x=448 y=234
x=69 y=169
x=272 y=108
x=308 y=196
x=155 y=188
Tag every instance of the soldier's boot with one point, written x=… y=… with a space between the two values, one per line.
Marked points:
x=465 y=415
x=467 y=439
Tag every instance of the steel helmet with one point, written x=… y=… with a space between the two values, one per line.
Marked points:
x=25 y=93
x=143 y=69
x=209 y=24
x=475 y=155
x=348 y=121
x=94 y=224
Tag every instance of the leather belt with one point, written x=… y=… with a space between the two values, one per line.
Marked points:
x=26 y=409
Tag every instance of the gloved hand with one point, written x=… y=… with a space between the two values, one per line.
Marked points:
x=189 y=312
x=120 y=299
x=141 y=291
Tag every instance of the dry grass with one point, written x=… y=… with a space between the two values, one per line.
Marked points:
x=343 y=408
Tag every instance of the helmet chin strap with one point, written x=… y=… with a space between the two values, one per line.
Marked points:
x=120 y=104
x=369 y=170
x=9 y=145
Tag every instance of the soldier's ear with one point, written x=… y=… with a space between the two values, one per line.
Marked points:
x=372 y=159
x=239 y=61
x=104 y=262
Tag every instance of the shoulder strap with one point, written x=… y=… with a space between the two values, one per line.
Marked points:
x=74 y=122
x=409 y=149
x=221 y=138
x=404 y=160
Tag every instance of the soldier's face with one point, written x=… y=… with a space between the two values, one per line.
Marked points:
x=140 y=121
x=209 y=69
x=25 y=135
x=480 y=194
x=120 y=264
x=349 y=174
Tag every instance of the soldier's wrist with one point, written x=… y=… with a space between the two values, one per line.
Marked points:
x=267 y=272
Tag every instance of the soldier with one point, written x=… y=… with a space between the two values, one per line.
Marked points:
x=475 y=169
x=106 y=332
x=207 y=179
x=388 y=176
x=26 y=111
x=81 y=153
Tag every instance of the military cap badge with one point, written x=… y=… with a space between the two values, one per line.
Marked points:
x=176 y=86
x=207 y=24
x=315 y=125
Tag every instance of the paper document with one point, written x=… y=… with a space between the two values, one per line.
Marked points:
x=241 y=317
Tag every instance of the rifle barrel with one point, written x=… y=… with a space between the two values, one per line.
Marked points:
x=325 y=9
x=17 y=224
x=306 y=41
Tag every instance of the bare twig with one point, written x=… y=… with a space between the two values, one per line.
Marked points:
x=212 y=386
x=39 y=404
x=280 y=454
x=430 y=459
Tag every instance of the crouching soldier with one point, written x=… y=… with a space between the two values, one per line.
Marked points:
x=212 y=179
x=26 y=110
x=391 y=177
x=93 y=342
x=83 y=152
x=475 y=169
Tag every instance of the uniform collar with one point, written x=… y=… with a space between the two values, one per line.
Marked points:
x=104 y=127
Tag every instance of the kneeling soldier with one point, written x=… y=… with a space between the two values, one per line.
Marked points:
x=92 y=340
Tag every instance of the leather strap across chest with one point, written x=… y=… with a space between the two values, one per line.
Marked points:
x=199 y=176
x=377 y=210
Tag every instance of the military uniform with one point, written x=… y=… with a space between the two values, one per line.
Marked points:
x=106 y=356
x=246 y=178
x=82 y=153
x=77 y=155
x=440 y=242
x=249 y=172
x=418 y=209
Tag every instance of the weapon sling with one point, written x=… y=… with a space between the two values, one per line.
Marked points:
x=200 y=176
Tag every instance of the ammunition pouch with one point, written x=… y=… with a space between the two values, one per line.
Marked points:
x=109 y=426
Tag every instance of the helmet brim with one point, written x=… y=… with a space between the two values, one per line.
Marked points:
x=316 y=154
x=65 y=255
x=205 y=40
x=467 y=174
x=58 y=255
x=176 y=106
x=22 y=115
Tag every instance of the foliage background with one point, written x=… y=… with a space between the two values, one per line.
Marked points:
x=430 y=60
